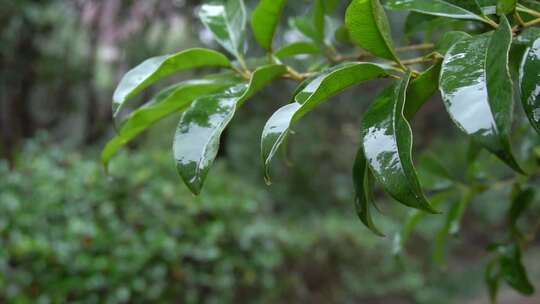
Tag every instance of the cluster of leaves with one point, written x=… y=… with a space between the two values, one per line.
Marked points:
x=474 y=71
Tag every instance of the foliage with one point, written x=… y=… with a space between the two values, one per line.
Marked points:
x=475 y=69
x=69 y=235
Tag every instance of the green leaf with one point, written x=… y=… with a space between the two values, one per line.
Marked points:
x=305 y=26
x=319 y=13
x=297 y=48
x=388 y=145
x=449 y=39
x=456 y=9
x=512 y=270
x=421 y=89
x=314 y=92
x=363 y=185
x=477 y=90
x=170 y=100
x=529 y=80
x=264 y=21
x=154 y=69
x=521 y=200
x=197 y=137
x=492 y=278
x=368 y=27
x=227 y=21
x=506 y=6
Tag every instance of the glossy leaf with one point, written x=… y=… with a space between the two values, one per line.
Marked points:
x=477 y=90
x=449 y=39
x=326 y=85
x=197 y=137
x=264 y=21
x=297 y=48
x=506 y=6
x=170 y=100
x=363 y=185
x=227 y=21
x=154 y=69
x=529 y=80
x=421 y=89
x=512 y=270
x=388 y=144
x=368 y=27
x=451 y=9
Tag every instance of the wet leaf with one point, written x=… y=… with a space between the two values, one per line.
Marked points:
x=449 y=39
x=170 y=100
x=369 y=28
x=363 y=185
x=197 y=137
x=227 y=22
x=388 y=144
x=529 y=80
x=154 y=69
x=457 y=9
x=477 y=90
x=264 y=21
x=421 y=89
x=314 y=92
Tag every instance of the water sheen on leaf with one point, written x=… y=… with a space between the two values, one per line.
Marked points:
x=198 y=134
x=156 y=68
x=529 y=79
x=326 y=85
x=170 y=100
x=369 y=28
x=451 y=9
x=363 y=185
x=388 y=144
x=227 y=21
x=264 y=21
x=477 y=90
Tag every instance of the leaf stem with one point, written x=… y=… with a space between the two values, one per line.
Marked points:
x=416 y=47
x=528 y=11
x=490 y=22
x=532 y=22
x=519 y=19
x=416 y=60
x=293 y=74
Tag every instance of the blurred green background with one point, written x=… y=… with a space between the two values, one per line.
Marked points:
x=71 y=233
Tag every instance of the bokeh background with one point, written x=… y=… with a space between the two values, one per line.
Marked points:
x=71 y=233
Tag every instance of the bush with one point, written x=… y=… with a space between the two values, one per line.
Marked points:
x=69 y=233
